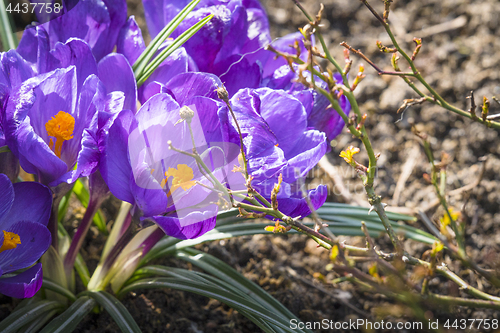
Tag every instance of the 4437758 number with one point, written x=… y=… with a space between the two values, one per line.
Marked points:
x=34 y=7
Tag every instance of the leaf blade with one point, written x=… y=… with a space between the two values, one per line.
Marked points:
x=116 y=309
x=69 y=319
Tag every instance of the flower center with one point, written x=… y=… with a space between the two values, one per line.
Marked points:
x=10 y=241
x=182 y=177
x=61 y=127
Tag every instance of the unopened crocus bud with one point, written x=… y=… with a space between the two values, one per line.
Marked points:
x=186 y=113
x=222 y=93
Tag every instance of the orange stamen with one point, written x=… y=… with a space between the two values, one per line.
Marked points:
x=61 y=127
x=10 y=241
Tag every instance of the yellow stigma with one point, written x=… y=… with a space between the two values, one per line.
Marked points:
x=182 y=177
x=10 y=241
x=61 y=127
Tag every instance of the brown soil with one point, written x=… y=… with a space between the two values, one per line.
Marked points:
x=460 y=53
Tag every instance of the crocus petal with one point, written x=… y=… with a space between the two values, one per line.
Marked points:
x=148 y=90
x=34 y=46
x=207 y=119
x=85 y=111
x=95 y=135
x=130 y=42
x=154 y=13
x=73 y=52
x=175 y=64
x=149 y=197
x=87 y=21
x=158 y=107
x=234 y=40
x=23 y=285
x=280 y=78
x=117 y=75
x=26 y=47
x=258 y=28
x=295 y=207
x=96 y=22
x=320 y=115
x=36 y=157
x=6 y=195
x=267 y=165
x=241 y=74
x=257 y=137
x=32 y=202
x=14 y=69
x=117 y=10
x=172 y=226
x=307 y=152
x=114 y=166
x=35 y=240
x=205 y=45
x=187 y=85
x=283 y=44
x=282 y=112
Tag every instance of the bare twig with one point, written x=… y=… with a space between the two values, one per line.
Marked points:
x=365 y=58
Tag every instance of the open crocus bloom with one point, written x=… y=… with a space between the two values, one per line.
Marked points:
x=47 y=115
x=45 y=120
x=278 y=141
x=24 y=237
x=165 y=185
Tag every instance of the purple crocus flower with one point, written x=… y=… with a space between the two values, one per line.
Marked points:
x=44 y=116
x=278 y=141
x=96 y=22
x=320 y=114
x=24 y=213
x=232 y=46
x=277 y=74
x=47 y=115
x=237 y=28
x=166 y=186
x=13 y=70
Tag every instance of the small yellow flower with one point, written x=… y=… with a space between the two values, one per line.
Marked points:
x=445 y=220
x=334 y=254
x=373 y=271
x=349 y=153
x=277 y=228
x=436 y=248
